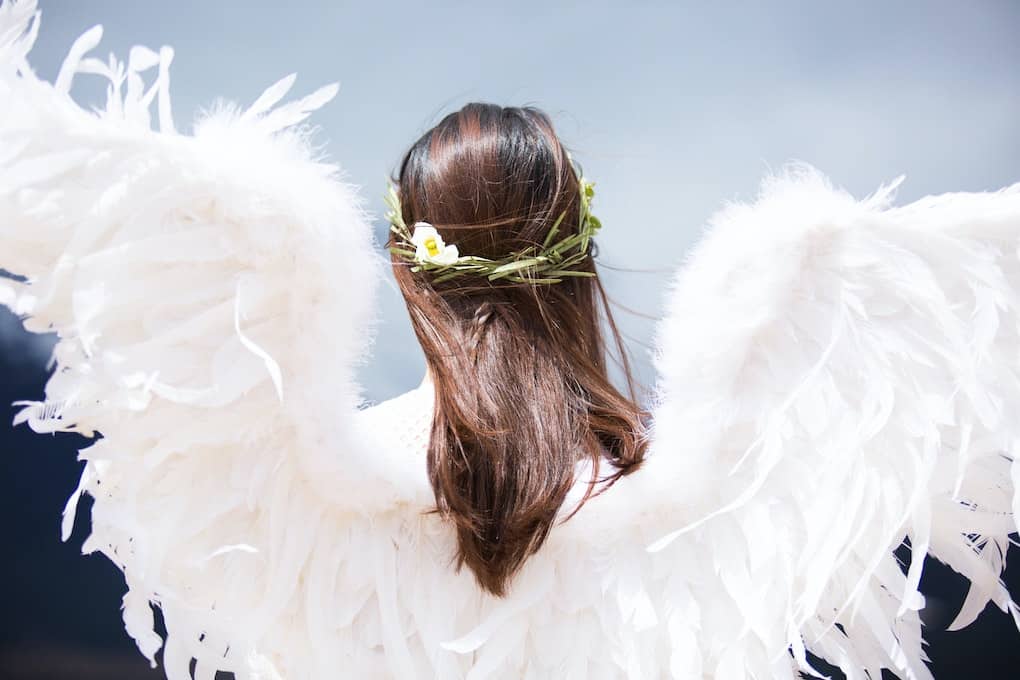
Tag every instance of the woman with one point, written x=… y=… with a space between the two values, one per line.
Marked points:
x=835 y=377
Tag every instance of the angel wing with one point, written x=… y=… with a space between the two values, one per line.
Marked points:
x=212 y=294
x=837 y=377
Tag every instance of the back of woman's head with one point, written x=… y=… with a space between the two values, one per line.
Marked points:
x=519 y=369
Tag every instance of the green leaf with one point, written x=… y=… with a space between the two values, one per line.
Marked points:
x=552 y=230
x=568 y=272
x=449 y=275
x=523 y=279
x=517 y=265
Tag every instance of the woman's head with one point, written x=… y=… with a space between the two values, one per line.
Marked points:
x=522 y=390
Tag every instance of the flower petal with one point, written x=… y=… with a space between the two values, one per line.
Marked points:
x=422 y=231
x=448 y=255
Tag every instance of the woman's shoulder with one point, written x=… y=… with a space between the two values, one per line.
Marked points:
x=404 y=421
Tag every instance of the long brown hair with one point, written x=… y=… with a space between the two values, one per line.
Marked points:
x=519 y=370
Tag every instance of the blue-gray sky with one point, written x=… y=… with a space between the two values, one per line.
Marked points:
x=672 y=107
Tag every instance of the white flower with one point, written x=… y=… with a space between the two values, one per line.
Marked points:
x=429 y=246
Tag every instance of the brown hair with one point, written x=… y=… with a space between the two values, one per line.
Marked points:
x=521 y=386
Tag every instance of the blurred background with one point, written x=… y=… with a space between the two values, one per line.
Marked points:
x=673 y=108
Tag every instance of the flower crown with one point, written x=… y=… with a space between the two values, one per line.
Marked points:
x=425 y=248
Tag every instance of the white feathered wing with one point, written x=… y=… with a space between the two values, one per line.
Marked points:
x=836 y=376
x=211 y=294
